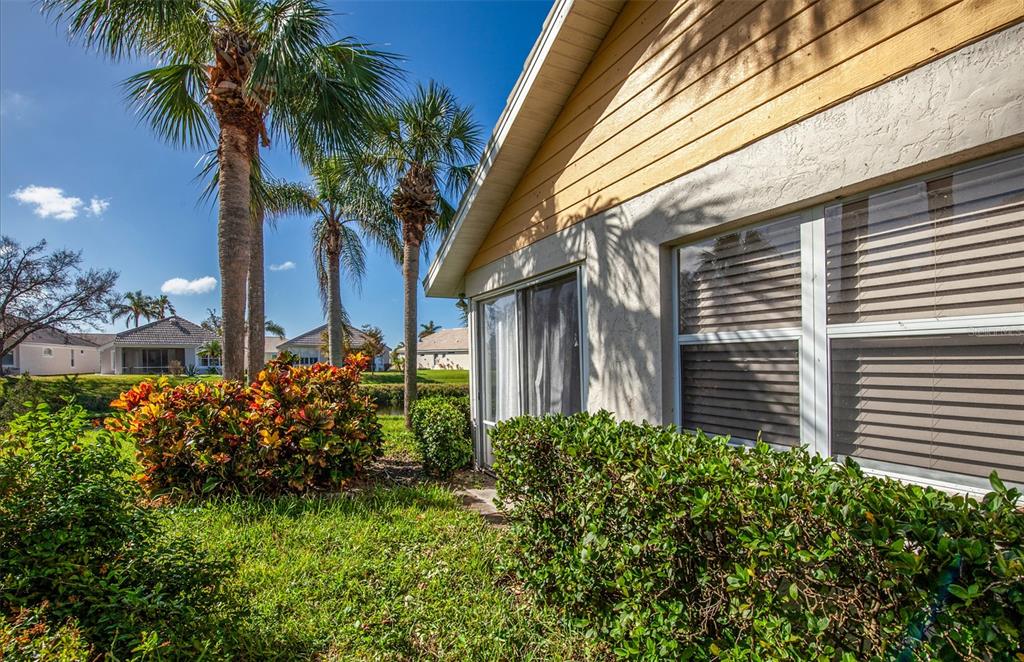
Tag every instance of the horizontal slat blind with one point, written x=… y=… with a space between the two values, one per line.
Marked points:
x=741 y=389
x=945 y=403
x=951 y=246
x=744 y=280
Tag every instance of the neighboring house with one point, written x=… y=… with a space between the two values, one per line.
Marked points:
x=162 y=346
x=270 y=347
x=446 y=349
x=50 y=351
x=800 y=221
x=309 y=347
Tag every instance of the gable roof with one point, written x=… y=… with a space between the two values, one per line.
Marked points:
x=97 y=339
x=51 y=335
x=312 y=338
x=172 y=330
x=549 y=76
x=445 y=340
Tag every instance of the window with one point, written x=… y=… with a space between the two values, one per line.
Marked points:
x=7 y=360
x=740 y=327
x=209 y=361
x=48 y=352
x=72 y=358
x=530 y=353
x=888 y=328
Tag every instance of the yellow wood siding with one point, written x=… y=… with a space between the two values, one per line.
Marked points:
x=676 y=85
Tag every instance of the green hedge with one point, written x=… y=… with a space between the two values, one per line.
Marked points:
x=441 y=428
x=675 y=546
x=392 y=396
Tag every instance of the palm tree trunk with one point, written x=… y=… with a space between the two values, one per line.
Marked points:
x=233 y=222
x=335 y=332
x=257 y=312
x=410 y=280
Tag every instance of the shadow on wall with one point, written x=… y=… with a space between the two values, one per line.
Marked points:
x=699 y=52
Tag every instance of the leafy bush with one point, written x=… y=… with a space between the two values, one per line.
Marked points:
x=392 y=396
x=28 y=635
x=295 y=428
x=674 y=546
x=76 y=539
x=441 y=429
x=18 y=395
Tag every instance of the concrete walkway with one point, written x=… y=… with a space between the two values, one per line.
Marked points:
x=481 y=500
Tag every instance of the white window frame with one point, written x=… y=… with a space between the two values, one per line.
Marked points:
x=477 y=331
x=815 y=335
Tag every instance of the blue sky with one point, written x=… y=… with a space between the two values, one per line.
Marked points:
x=128 y=201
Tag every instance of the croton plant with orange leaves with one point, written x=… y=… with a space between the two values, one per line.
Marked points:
x=293 y=429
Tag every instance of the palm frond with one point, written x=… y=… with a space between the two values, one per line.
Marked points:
x=163 y=29
x=168 y=98
x=323 y=102
x=353 y=256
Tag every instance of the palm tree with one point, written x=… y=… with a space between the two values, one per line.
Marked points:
x=426 y=147
x=428 y=329
x=274 y=329
x=162 y=304
x=235 y=74
x=135 y=305
x=346 y=207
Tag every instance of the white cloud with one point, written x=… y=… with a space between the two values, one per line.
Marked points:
x=14 y=104
x=49 y=201
x=284 y=266
x=185 y=286
x=97 y=206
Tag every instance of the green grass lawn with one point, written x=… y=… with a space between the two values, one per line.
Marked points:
x=398 y=441
x=384 y=573
x=422 y=377
x=397 y=573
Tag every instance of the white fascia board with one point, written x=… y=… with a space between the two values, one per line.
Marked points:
x=520 y=92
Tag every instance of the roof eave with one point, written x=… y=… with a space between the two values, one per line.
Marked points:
x=445 y=277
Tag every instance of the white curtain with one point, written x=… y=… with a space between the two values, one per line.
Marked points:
x=552 y=347
x=501 y=359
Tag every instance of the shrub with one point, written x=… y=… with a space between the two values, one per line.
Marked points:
x=441 y=429
x=392 y=396
x=28 y=635
x=295 y=428
x=18 y=395
x=673 y=546
x=76 y=540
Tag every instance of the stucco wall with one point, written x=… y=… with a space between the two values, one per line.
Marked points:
x=31 y=358
x=443 y=360
x=965 y=105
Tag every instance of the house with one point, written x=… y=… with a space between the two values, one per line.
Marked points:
x=270 y=347
x=803 y=221
x=309 y=347
x=50 y=351
x=446 y=349
x=167 y=345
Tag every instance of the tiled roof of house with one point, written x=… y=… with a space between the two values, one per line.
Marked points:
x=314 y=338
x=172 y=330
x=98 y=339
x=445 y=340
x=53 y=336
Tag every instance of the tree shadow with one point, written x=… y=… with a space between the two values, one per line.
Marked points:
x=658 y=55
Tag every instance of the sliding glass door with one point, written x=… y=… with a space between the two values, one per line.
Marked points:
x=501 y=395
x=530 y=359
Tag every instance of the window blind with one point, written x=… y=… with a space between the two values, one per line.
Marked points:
x=944 y=403
x=947 y=247
x=745 y=280
x=741 y=389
